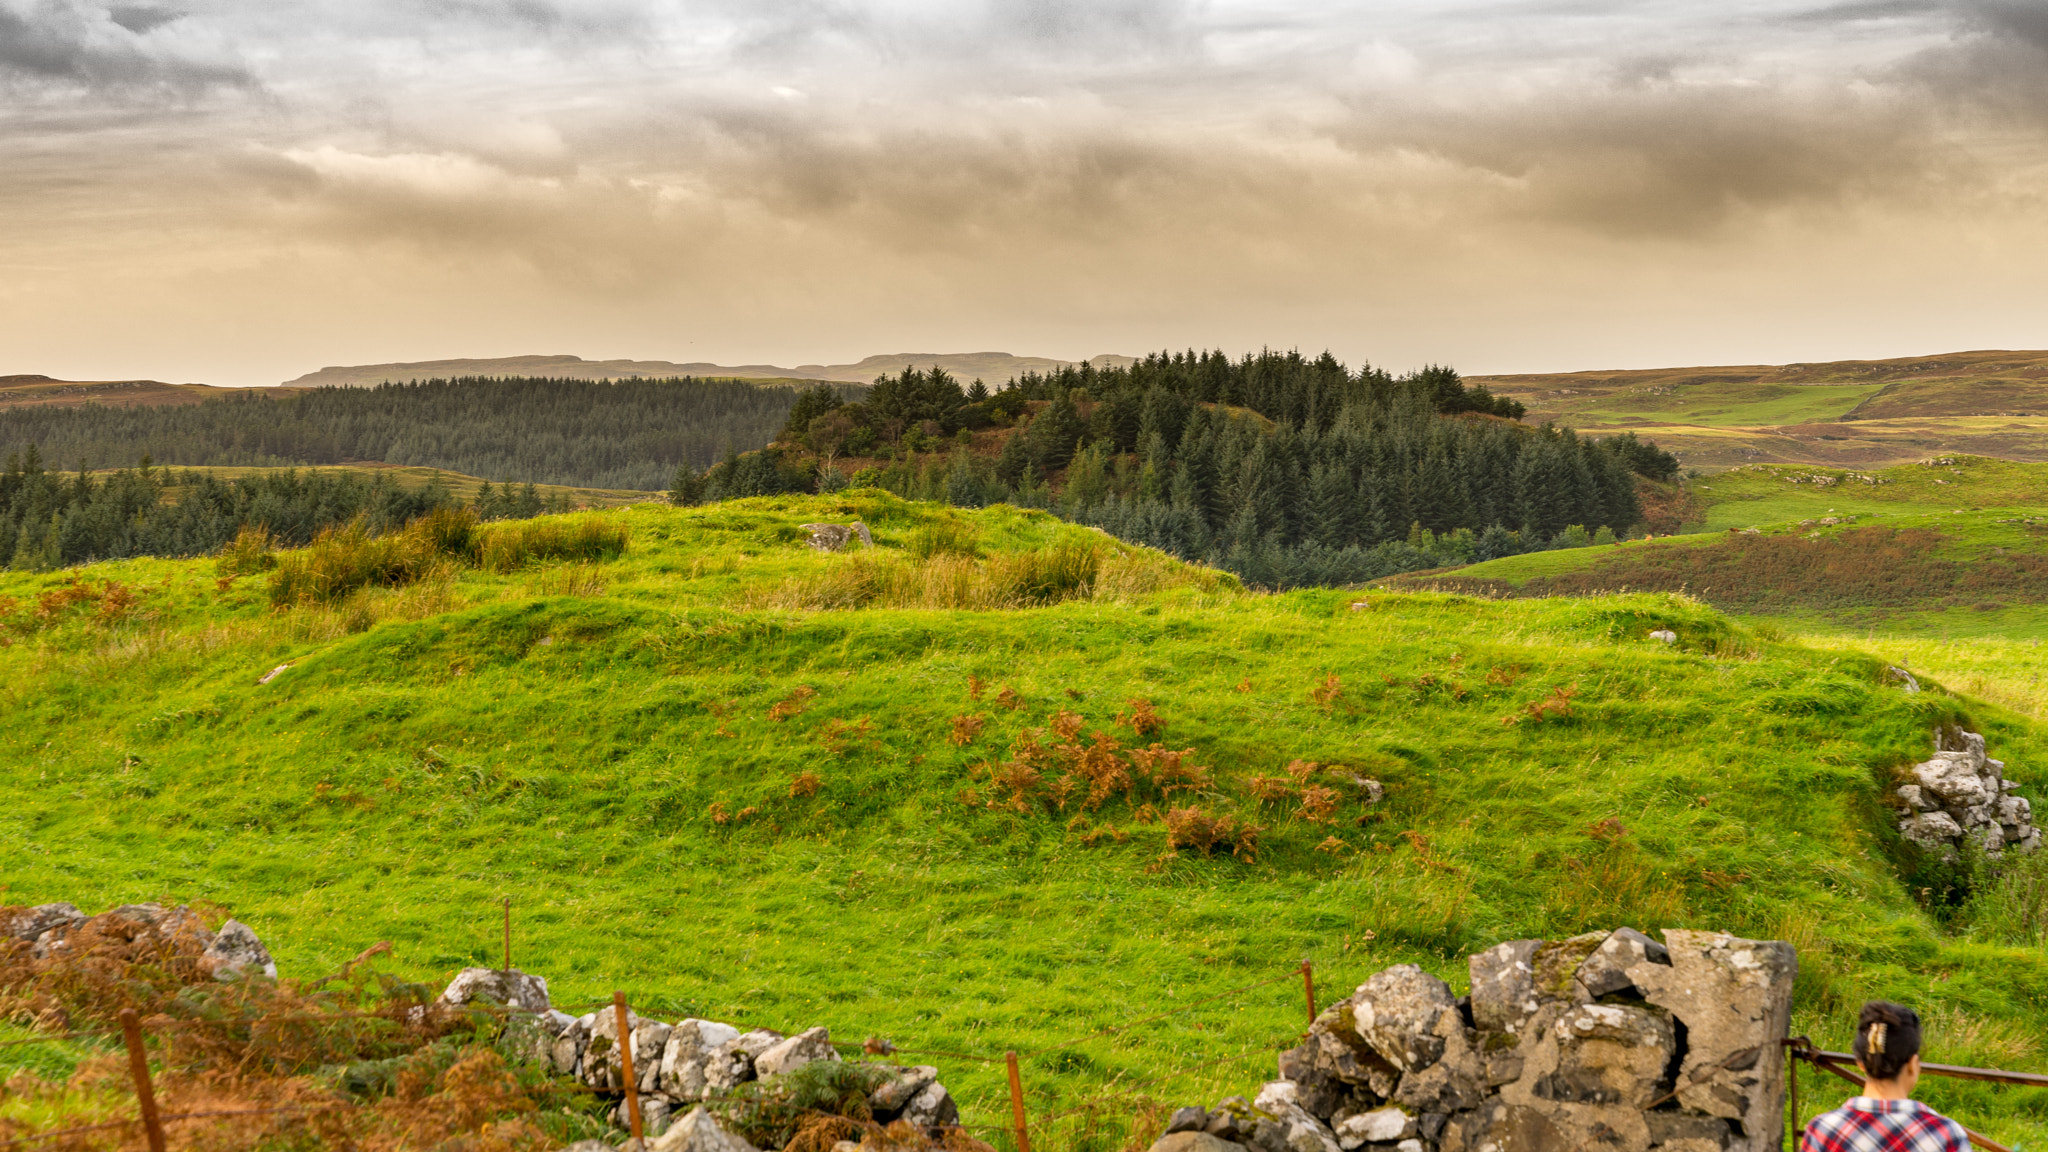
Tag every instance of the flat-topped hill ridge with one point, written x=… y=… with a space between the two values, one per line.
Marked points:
x=998 y=782
x=993 y=367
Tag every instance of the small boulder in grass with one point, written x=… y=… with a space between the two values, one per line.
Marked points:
x=236 y=953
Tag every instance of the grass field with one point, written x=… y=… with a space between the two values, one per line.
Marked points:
x=464 y=487
x=1943 y=548
x=738 y=778
x=1845 y=414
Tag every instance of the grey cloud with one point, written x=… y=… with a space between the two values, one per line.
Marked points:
x=141 y=19
x=2022 y=20
x=1859 y=10
x=86 y=46
x=547 y=17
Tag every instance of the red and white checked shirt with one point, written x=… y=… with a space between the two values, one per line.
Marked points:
x=1866 y=1124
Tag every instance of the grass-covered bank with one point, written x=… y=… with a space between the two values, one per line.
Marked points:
x=703 y=785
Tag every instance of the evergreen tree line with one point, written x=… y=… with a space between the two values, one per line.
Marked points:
x=581 y=433
x=50 y=520
x=1284 y=469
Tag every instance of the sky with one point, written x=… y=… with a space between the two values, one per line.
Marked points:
x=239 y=191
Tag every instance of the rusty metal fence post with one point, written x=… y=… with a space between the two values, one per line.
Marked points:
x=508 y=946
x=626 y=1063
x=1017 y=1103
x=1308 y=988
x=138 y=1066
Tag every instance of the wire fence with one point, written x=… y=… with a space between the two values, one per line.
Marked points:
x=1798 y=1050
x=161 y=1027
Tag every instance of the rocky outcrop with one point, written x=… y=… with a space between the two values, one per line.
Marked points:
x=836 y=537
x=1960 y=797
x=1609 y=1040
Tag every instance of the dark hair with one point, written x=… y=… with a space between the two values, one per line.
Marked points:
x=1887 y=1036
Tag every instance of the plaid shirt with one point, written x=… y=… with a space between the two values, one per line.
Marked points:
x=1865 y=1124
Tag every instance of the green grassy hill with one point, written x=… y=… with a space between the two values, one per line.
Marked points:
x=738 y=778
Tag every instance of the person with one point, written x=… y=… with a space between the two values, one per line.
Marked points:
x=1885 y=1118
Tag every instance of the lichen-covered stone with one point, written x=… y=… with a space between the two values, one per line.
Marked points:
x=1605 y=972
x=1396 y=1013
x=1735 y=999
x=1503 y=985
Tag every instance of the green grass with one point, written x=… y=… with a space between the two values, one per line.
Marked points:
x=569 y=735
x=1729 y=405
x=1982 y=510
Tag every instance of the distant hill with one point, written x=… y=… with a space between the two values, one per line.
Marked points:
x=993 y=367
x=1846 y=413
x=44 y=392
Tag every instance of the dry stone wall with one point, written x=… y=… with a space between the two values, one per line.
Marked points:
x=678 y=1066
x=1960 y=798
x=1610 y=1040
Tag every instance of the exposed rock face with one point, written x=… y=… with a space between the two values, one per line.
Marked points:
x=1961 y=796
x=513 y=988
x=835 y=537
x=1735 y=998
x=1566 y=1045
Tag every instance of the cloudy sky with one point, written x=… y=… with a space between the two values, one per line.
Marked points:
x=238 y=191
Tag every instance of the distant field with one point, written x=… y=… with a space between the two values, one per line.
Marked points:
x=1852 y=413
x=463 y=486
x=1956 y=548
x=43 y=392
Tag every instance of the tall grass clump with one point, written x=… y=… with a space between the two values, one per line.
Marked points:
x=344 y=559
x=508 y=546
x=252 y=550
x=1047 y=575
x=944 y=538
x=2012 y=908
x=939 y=579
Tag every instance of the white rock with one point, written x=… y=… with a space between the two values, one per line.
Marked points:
x=1380 y=1126
x=514 y=989
x=236 y=951
x=795 y=1052
x=698 y=1132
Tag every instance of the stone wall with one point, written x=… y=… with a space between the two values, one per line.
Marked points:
x=1609 y=1041
x=677 y=1066
x=1961 y=797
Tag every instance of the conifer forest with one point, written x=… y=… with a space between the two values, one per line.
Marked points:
x=1284 y=469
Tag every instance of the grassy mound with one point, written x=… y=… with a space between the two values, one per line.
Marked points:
x=1002 y=782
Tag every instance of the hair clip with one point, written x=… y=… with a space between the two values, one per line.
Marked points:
x=1877 y=1031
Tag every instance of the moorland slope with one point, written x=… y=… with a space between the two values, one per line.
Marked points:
x=932 y=792
x=1951 y=546
x=1849 y=413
